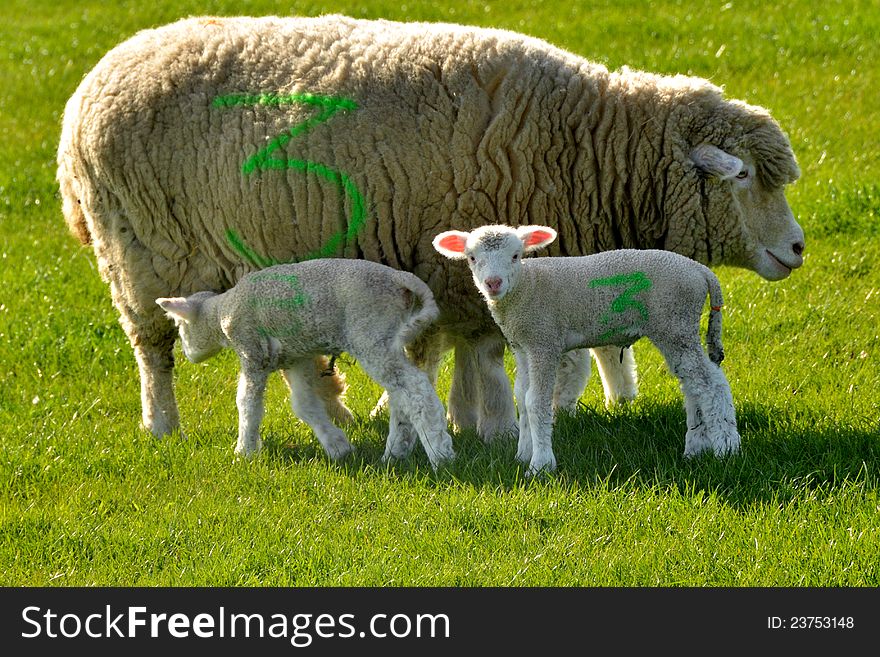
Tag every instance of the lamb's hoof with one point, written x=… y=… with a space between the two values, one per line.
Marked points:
x=400 y=441
x=338 y=448
x=727 y=442
x=250 y=450
x=440 y=460
x=524 y=456
x=443 y=454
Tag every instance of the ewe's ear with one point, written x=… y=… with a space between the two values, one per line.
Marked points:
x=715 y=162
x=178 y=308
x=535 y=237
x=451 y=243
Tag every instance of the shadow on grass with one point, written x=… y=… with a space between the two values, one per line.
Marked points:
x=783 y=457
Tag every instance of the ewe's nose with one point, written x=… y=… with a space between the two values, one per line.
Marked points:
x=493 y=284
x=798 y=248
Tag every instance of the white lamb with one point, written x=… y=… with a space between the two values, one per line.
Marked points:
x=282 y=317
x=548 y=306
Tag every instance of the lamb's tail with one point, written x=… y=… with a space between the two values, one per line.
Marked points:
x=421 y=301
x=713 y=333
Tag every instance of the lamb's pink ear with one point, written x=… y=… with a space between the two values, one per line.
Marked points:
x=535 y=237
x=451 y=243
x=178 y=307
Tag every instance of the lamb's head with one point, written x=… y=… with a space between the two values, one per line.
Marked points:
x=197 y=336
x=494 y=254
x=745 y=161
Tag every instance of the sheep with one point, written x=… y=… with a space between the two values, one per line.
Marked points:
x=198 y=151
x=283 y=316
x=548 y=306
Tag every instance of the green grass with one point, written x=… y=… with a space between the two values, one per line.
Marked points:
x=86 y=498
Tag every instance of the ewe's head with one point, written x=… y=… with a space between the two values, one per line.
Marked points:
x=740 y=160
x=198 y=339
x=494 y=253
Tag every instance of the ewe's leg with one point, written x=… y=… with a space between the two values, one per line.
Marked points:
x=571 y=379
x=520 y=390
x=134 y=285
x=309 y=406
x=619 y=379
x=330 y=387
x=539 y=405
x=708 y=402
x=497 y=414
x=156 y=366
x=411 y=394
x=251 y=386
x=464 y=398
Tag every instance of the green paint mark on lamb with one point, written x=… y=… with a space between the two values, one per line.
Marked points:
x=289 y=305
x=637 y=282
x=268 y=159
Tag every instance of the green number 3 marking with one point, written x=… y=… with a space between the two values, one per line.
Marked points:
x=636 y=282
x=266 y=159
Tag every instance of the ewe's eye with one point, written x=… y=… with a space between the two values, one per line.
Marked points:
x=742 y=175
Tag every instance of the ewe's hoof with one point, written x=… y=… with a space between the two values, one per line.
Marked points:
x=540 y=468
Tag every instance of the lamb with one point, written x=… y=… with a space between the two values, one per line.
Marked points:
x=198 y=151
x=548 y=306
x=282 y=317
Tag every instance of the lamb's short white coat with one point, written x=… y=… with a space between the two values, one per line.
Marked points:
x=281 y=317
x=548 y=306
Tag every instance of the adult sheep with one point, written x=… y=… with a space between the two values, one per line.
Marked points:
x=196 y=152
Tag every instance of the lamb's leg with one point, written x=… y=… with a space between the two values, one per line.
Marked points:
x=410 y=393
x=520 y=390
x=618 y=372
x=401 y=435
x=539 y=405
x=571 y=379
x=249 y=399
x=155 y=359
x=426 y=353
x=718 y=412
x=708 y=401
x=308 y=406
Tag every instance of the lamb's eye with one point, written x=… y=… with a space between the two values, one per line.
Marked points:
x=515 y=257
x=742 y=175
x=472 y=258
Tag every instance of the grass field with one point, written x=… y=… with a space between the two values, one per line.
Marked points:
x=87 y=498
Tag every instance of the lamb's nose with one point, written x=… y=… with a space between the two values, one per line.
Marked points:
x=798 y=248
x=493 y=283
